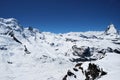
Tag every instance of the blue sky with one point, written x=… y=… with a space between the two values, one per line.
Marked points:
x=61 y=16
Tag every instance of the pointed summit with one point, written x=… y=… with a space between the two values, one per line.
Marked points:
x=111 y=30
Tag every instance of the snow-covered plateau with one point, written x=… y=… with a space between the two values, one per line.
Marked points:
x=29 y=54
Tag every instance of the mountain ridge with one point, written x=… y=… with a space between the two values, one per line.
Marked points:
x=26 y=51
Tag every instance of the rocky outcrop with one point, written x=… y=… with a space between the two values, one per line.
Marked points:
x=87 y=53
x=92 y=72
x=81 y=51
x=69 y=74
x=3 y=47
x=71 y=40
x=117 y=50
x=26 y=50
x=14 y=38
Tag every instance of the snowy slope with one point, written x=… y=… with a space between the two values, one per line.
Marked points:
x=28 y=54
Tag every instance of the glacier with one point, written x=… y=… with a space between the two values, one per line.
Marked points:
x=28 y=54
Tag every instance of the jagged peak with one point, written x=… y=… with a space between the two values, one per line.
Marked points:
x=9 y=24
x=8 y=20
x=111 y=29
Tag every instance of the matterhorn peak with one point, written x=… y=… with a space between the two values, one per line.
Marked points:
x=111 y=30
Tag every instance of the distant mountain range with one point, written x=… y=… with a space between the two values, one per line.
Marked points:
x=28 y=54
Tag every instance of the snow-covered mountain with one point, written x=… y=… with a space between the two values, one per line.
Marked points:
x=111 y=30
x=28 y=54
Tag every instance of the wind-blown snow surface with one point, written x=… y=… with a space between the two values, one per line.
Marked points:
x=28 y=54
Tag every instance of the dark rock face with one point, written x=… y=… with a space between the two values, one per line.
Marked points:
x=93 y=72
x=75 y=69
x=78 y=64
x=117 y=50
x=71 y=40
x=103 y=51
x=69 y=73
x=81 y=52
x=9 y=62
x=109 y=49
x=30 y=28
x=65 y=77
x=113 y=50
x=2 y=47
x=86 y=53
x=82 y=59
x=26 y=50
x=14 y=38
x=52 y=44
x=83 y=36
